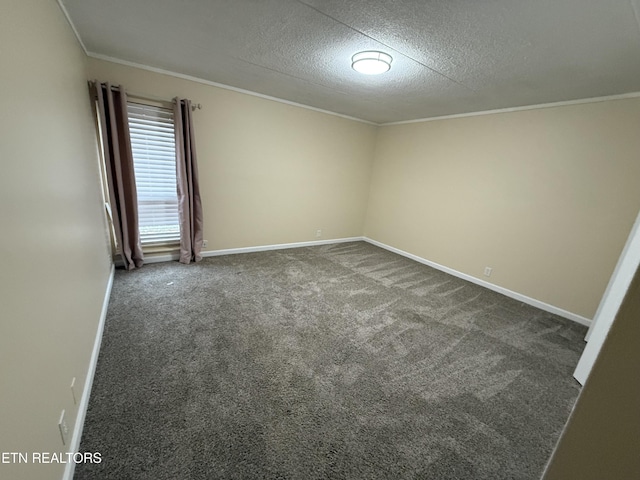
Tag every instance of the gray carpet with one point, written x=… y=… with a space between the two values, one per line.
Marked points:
x=336 y=362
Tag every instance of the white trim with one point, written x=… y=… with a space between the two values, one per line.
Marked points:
x=73 y=27
x=509 y=293
x=172 y=257
x=74 y=445
x=617 y=288
x=281 y=246
x=221 y=85
x=563 y=103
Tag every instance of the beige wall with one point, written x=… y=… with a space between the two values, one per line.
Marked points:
x=270 y=173
x=55 y=263
x=602 y=437
x=545 y=197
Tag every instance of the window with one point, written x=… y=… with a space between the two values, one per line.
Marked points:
x=154 y=161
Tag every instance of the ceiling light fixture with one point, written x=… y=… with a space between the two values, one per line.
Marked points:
x=371 y=62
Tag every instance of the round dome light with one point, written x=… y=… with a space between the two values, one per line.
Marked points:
x=371 y=63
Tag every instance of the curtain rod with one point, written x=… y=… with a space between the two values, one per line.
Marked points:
x=194 y=106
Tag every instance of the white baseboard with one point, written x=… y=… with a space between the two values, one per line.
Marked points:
x=504 y=291
x=281 y=246
x=74 y=445
x=172 y=257
x=509 y=293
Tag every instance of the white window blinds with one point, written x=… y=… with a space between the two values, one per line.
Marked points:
x=154 y=160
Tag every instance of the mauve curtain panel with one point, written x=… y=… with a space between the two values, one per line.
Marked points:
x=111 y=105
x=189 y=203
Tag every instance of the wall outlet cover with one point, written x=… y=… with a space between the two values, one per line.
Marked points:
x=64 y=429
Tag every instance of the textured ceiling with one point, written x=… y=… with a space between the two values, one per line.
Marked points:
x=450 y=56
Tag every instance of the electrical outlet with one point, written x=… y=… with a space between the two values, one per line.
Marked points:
x=73 y=390
x=205 y=243
x=318 y=233
x=64 y=429
x=487 y=271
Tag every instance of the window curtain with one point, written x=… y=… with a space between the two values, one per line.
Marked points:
x=189 y=203
x=111 y=105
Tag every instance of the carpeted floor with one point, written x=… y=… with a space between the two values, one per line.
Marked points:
x=336 y=362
